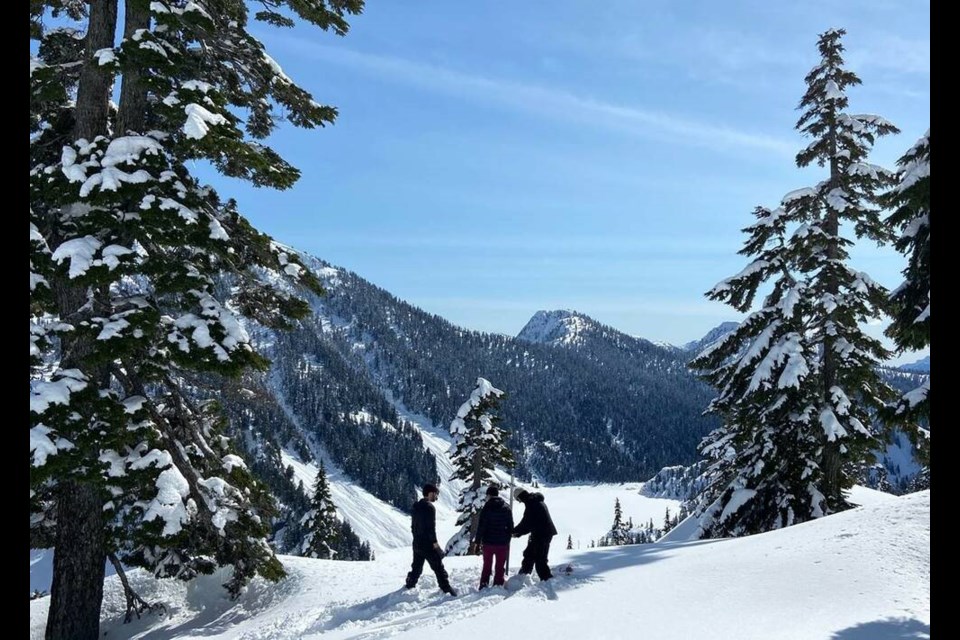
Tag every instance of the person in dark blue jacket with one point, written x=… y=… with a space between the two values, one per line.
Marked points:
x=423 y=524
x=493 y=534
x=537 y=522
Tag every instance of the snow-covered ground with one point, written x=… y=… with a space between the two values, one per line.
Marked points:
x=859 y=575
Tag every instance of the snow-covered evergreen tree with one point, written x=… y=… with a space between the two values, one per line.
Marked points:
x=569 y=542
x=910 y=329
x=618 y=530
x=321 y=522
x=796 y=380
x=910 y=199
x=138 y=274
x=479 y=444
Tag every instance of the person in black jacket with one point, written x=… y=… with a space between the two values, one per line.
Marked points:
x=493 y=533
x=537 y=522
x=423 y=524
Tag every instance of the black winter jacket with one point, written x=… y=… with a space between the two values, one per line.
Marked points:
x=496 y=522
x=423 y=524
x=536 y=518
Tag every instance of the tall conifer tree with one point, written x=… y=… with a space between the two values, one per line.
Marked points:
x=910 y=329
x=796 y=380
x=479 y=444
x=138 y=274
x=617 y=531
x=321 y=521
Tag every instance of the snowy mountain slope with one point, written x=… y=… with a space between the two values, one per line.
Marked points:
x=382 y=525
x=899 y=459
x=373 y=520
x=862 y=574
x=719 y=331
x=624 y=401
x=437 y=441
x=587 y=509
x=920 y=366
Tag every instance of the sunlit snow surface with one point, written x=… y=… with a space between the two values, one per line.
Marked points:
x=861 y=574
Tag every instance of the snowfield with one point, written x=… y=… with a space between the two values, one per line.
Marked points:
x=859 y=575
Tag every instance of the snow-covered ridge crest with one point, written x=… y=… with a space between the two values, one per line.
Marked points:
x=560 y=327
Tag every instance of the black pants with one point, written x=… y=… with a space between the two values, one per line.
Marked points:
x=435 y=560
x=535 y=555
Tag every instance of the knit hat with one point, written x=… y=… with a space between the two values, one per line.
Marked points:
x=430 y=488
x=520 y=493
x=493 y=490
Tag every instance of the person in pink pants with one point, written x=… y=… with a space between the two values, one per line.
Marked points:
x=493 y=534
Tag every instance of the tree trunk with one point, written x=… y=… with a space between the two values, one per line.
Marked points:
x=830 y=463
x=132 y=111
x=78 y=564
x=477 y=480
x=80 y=545
x=93 y=92
x=80 y=549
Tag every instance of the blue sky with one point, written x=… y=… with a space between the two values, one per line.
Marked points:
x=495 y=158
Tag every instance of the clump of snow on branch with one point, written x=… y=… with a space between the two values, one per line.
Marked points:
x=105 y=56
x=230 y=461
x=57 y=391
x=168 y=504
x=199 y=120
x=198 y=329
x=77 y=163
x=42 y=445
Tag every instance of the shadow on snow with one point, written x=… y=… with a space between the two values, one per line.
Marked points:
x=600 y=560
x=399 y=610
x=887 y=629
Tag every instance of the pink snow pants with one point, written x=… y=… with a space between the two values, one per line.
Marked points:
x=491 y=553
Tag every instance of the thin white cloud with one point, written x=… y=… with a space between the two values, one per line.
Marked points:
x=900 y=91
x=742 y=52
x=894 y=53
x=594 y=307
x=553 y=103
x=552 y=244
